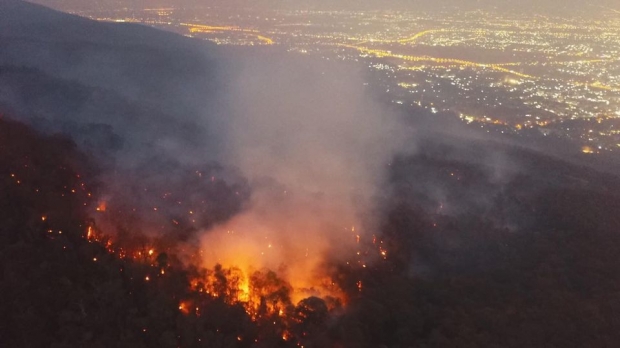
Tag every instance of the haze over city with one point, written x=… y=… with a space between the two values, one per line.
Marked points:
x=510 y=67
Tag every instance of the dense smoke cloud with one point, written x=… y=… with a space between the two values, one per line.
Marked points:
x=315 y=147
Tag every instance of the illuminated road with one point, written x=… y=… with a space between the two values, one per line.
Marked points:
x=383 y=53
x=420 y=34
x=197 y=28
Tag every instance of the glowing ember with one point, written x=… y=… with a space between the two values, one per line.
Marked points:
x=184 y=308
x=101 y=207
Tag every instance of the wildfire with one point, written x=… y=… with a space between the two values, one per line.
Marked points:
x=283 y=299
x=253 y=267
x=244 y=290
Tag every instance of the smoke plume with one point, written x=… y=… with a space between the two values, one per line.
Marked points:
x=314 y=147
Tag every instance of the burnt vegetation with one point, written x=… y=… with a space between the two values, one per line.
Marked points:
x=524 y=262
x=532 y=263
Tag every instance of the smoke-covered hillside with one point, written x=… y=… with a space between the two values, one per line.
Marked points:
x=158 y=191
